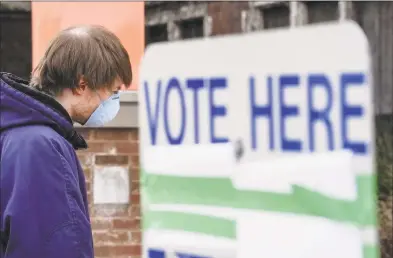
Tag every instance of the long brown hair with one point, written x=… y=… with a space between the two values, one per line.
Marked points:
x=89 y=51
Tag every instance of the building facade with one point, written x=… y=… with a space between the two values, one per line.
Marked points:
x=117 y=228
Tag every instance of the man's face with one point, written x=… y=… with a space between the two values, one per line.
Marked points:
x=89 y=100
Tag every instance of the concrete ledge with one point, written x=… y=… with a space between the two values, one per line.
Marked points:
x=266 y=4
x=128 y=114
x=15 y=6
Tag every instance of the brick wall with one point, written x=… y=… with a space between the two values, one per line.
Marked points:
x=226 y=17
x=116 y=228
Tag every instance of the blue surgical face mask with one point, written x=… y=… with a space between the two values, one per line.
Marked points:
x=105 y=112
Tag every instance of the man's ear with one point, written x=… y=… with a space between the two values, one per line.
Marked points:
x=81 y=87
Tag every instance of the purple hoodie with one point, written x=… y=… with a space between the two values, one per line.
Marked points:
x=43 y=204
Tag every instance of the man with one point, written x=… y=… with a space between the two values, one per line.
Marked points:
x=44 y=209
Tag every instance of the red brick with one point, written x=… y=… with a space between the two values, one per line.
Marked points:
x=135 y=198
x=127 y=223
x=134 y=173
x=127 y=147
x=116 y=250
x=116 y=228
x=136 y=237
x=134 y=136
x=111 y=134
x=226 y=16
x=115 y=237
x=98 y=147
x=119 y=147
x=111 y=160
x=88 y=185
x=135 y=211
x=135 y=187
x=101 y=223
x=134 y=159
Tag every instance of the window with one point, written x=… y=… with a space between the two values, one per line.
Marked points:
x=191 y=28
x=275 y=16
x=322 y=11
x=361 y=11
x=156 y=33
x=15 y=43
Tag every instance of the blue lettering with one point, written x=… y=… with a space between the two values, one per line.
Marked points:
x=156 y=253
x=286 y=81
x=258 y=110
x=195 y=85
x=348 y=111
x=152 y=118
x=175 y=85
x=183 y=255
x=323 y=115
x=216 y=110
x=318 y=115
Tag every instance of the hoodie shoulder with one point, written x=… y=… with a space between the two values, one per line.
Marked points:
x=23 y=106
x=32 y=132
x=33 y=138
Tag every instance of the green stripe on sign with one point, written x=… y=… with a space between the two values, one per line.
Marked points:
x=188 y=222
x=219 y=192
x=211 y=226
x=371 y=251
x=367 y=200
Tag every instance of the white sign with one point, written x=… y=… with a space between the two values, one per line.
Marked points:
x=279 y=94
x=111 y=185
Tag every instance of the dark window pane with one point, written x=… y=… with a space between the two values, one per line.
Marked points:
x=275 y=16
x=15 y=43
x=192 y=28
x=322 y=11
x=156 y=33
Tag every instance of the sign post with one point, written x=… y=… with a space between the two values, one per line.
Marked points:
x=299 y=103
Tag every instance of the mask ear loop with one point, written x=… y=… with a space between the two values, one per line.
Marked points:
x=117 y=93
x=115 y=96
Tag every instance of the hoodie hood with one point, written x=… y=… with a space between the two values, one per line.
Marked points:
x=22 y=105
